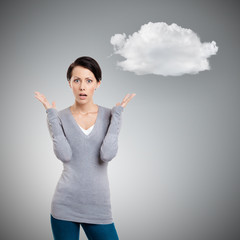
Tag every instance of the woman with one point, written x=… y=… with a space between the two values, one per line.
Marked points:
x=85 y=139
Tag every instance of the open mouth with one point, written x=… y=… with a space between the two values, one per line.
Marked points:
x=82 y=94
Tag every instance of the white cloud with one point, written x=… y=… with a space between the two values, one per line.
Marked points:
x=162 y=49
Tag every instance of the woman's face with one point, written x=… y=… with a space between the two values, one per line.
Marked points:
x=83 y=81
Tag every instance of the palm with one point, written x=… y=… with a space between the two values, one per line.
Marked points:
x=44 y=100
x=126 y=99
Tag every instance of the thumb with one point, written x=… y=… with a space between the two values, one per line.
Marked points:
x=53 y=104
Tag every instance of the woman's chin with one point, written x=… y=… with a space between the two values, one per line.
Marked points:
x=82 y=101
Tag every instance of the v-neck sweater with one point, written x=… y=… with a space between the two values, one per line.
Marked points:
x=82 y=193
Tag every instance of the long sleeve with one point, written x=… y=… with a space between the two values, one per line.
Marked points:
x=109 y=145
x=61 y=146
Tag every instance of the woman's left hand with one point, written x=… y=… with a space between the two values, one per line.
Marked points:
x=126 y=99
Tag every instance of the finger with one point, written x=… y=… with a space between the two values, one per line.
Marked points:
x=126 y=97
x=37 y=94
x=132 y=95
x=41 y=97
x=129 y=98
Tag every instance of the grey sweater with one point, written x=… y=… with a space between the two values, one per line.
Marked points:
x=82 y=193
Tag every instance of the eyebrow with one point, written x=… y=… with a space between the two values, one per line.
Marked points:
x=80 y=78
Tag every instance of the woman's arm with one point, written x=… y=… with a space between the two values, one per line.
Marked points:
x=109 y=146
x=61 y=146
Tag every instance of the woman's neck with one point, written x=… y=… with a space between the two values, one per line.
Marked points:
x=84 y=108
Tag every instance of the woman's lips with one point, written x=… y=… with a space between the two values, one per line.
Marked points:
x=82 y=96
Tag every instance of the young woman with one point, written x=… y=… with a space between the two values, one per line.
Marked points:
x=85 y=139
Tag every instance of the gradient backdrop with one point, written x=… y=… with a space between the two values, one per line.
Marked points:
x=176 y=175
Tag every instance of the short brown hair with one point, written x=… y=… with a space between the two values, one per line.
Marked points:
x=86 y=62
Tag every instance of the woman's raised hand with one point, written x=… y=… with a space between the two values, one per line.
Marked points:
x=44 y=100
x=126 y=99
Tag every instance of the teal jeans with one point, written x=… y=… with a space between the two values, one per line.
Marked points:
x=67 y=230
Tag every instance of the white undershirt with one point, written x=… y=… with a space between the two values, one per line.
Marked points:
x=88 y=130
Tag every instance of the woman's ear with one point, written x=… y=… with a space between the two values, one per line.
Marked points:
x=69 y=83
x=98 y=84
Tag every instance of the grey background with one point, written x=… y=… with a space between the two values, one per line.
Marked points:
x=176 y=175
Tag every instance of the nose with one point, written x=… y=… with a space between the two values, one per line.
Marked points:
x=81 y=86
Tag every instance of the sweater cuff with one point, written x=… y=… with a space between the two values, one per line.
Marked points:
x=118 y=109
x=52 y=113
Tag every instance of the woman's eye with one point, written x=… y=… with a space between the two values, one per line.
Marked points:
x=90 y=80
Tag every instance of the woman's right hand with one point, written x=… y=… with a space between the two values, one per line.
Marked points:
x=44 y=100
